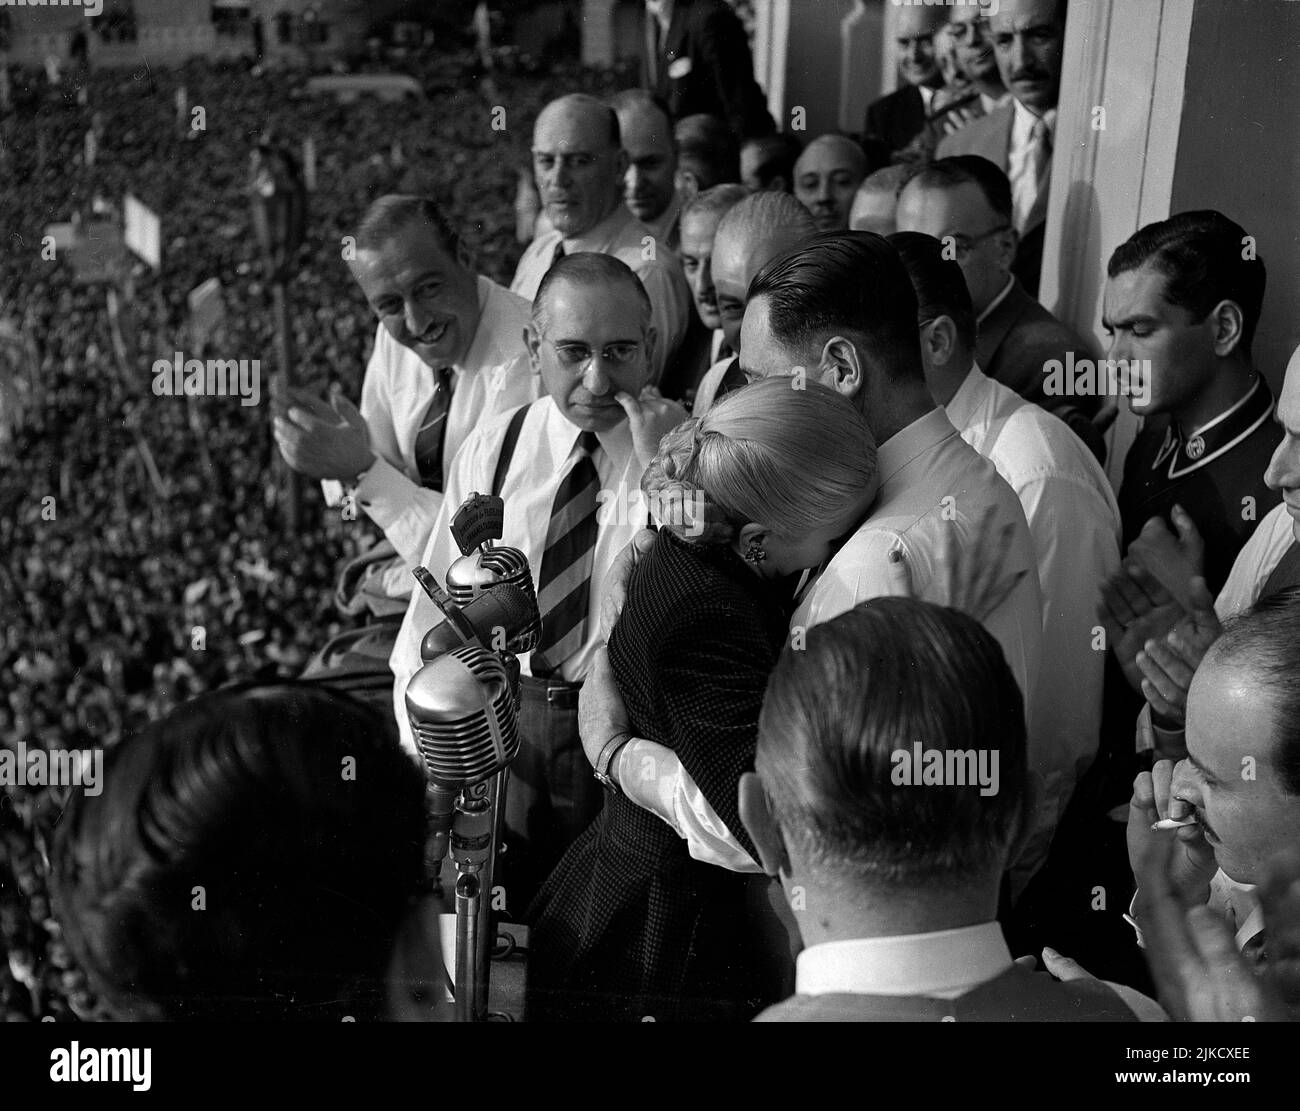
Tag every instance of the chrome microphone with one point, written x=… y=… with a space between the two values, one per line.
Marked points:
x=484 y=566
x=462 y=713
x=502 y=619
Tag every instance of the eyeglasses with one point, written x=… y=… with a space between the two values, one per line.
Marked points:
x=579 y=354
x=965 y=243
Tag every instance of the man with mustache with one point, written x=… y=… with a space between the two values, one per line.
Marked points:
x=897 y=118
x=1240 y=779
x=1028 y=41
x=448 y=354
x=826 y=176
x=554 y=462
x=579 y=165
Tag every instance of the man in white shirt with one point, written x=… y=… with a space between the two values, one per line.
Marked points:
x=893 y=880
x=579 y=165
x=448 y=354
x=1068 y=502
x=582 y=446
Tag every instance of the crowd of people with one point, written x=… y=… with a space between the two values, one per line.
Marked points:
x=817 y=369
x=124 y=596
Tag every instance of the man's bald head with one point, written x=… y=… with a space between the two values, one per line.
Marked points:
x=876 y=201
x=826 y=176
x=647 y=137
x=578 y=162
x=914 y=29
x=750 y=235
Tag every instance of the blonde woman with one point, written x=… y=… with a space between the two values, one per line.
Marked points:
x=751 y=495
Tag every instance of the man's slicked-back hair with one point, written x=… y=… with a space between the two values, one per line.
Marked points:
x=716 y=201
x=1202 y=256
x=939 y=283
x=844 y=281
x=295 y=815
x=1264 y=642
x=595 y=271
x=708 y=142
x=390 y=215
x=888 y=674
x=970 y=169
x=760 y=217
x=630 y=99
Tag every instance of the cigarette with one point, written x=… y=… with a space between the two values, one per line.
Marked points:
x=1173 y=823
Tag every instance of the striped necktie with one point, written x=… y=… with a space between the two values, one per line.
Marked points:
x=432 y=433
x=564 y=584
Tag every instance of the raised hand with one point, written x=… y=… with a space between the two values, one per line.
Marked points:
x=651 y=416
x=322 y=440
x=1174 y=560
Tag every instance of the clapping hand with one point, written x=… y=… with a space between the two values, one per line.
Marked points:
x=322 y=440
x=1168 y=663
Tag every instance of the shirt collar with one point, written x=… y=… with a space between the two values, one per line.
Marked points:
x=917 y=438
x=599 y=238
x=1218 y=435
x=562 y=437
x=927 y=96
x=1242 y=900
x=477 y=352
x=963 y=405
x=1023 y=120
x=988 y=309
x=944 y=962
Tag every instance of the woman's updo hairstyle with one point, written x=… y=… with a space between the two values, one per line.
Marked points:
x=782 y=452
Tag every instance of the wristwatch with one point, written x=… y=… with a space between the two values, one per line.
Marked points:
x=606 y=758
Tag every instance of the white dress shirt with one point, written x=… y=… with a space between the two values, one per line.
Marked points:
x=1075 y=525
x=622 y=235
x=547 y=443
x=942 y=964
x=1255 y=562
x=493 y=377
x=1025 y=181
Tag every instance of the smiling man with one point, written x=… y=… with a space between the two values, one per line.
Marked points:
x=897 y=118
x=584 y=444
x=448 y=354
x=579 y=165
x=650 y=187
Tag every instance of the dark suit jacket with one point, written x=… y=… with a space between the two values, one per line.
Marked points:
x=1015 y=342
x=706 y=39
x=892 y=122
x=1018 y=995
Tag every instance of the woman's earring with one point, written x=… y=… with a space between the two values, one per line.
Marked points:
x=754 y=554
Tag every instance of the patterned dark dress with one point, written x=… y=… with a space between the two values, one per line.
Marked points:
x=629 y=926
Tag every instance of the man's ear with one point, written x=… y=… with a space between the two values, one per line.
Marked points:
x=761 y=824
x=939 y=341
x=841 y=367
x=1229 y=323
x=1009 y=241
x=533 y=343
